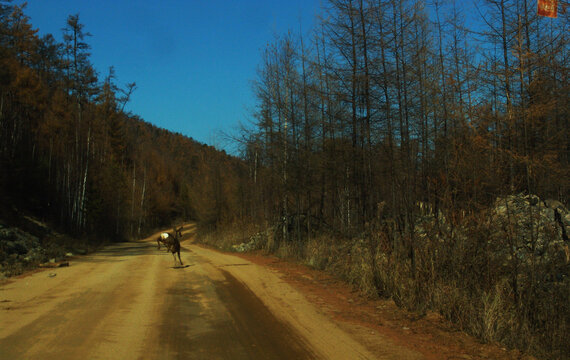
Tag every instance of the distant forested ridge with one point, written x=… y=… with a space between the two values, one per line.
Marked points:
x=70 y=154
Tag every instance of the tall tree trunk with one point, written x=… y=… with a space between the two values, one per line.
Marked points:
x=132 y=219
x=506 y=74
x=81 y=222
x=442 y=72
x=143 y=192
x=388 y=112
x=367 y=153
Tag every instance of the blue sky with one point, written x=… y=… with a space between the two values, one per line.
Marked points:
x=193 y=61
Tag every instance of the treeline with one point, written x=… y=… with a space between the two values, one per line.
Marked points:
x=71 y=154
x=393 y=109
x=397 y=102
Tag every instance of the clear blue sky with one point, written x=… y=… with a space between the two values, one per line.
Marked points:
x=192 y=60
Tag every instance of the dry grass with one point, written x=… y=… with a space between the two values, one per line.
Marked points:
x=469 y=277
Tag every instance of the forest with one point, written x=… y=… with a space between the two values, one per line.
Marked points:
x=411 y=147
x=419 y=150
x=71 y=155
x=394 y=102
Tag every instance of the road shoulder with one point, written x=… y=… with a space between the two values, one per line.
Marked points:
x=374 y=321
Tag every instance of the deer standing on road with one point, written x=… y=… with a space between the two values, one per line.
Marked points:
x=171 y=242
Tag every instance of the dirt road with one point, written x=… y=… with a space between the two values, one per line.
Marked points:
x=129 y=302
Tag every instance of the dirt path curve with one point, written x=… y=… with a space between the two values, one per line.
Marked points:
x=129 y=302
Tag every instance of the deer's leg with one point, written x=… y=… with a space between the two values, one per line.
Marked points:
x=178 y=258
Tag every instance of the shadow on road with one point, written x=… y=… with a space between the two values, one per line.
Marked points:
x=181 y=267
x=127 y=249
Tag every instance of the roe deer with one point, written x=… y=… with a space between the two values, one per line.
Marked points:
x=171 y=242
x=165 y=235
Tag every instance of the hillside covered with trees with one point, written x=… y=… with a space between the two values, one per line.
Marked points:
x=71 y=155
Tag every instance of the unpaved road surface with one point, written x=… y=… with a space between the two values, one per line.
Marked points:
x=128 y=301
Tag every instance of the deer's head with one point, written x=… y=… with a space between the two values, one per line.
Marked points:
x=178 y=232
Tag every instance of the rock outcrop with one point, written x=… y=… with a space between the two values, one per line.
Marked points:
x=533 y=226
x=27 y=247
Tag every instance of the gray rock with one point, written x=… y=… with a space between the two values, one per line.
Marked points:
x=15 y=241
x=555 y=204
x=529 y=226
x=255 y=242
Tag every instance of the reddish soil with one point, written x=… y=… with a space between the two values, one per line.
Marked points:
x=431 y=335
